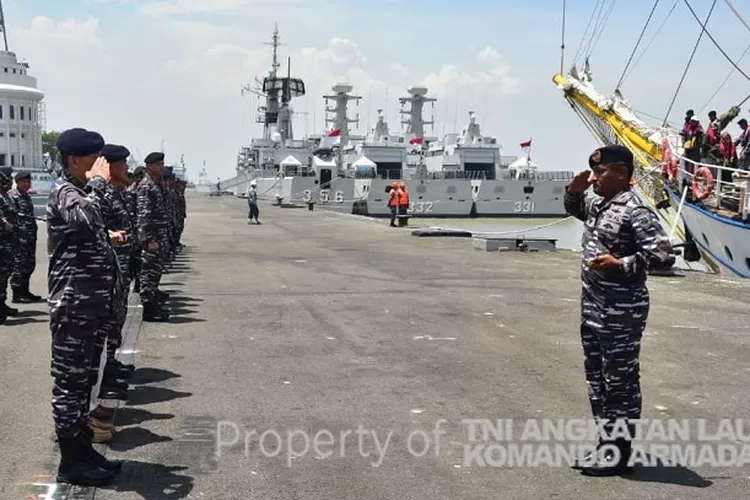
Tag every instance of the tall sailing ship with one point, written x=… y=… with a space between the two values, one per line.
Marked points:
x=710 y=199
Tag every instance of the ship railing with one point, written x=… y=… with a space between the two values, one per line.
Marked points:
x=724 y=195
x=554 y=175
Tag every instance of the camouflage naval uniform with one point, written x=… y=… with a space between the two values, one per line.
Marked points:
x=615 y=302
x=131 y=198
x=8 y=240
x=116 y=218
x=182 y=211
x=81 y=276
x=152 y=227
x=25 y=256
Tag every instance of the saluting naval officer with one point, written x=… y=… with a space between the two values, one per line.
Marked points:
x=81 y=276
x=622 y=240
x=117 y=220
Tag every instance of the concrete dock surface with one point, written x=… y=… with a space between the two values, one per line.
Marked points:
x=327 y=324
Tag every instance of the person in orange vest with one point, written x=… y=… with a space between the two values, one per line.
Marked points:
x=403 y=205
x=394 y=196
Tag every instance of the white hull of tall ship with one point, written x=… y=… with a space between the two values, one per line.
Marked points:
x=726 y=241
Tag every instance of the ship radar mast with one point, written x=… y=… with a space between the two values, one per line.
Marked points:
x=338 y=113
x=381 y=128
x=415 y=122
x=276 y=114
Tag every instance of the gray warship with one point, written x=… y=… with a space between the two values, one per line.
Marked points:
x=459 y=175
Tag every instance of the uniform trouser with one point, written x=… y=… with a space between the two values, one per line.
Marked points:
x=403 y=211
x=6 y=267
x=72 y=356
x=24 y=264
x=152 y=264
x=253 y=211
x=611 y=332
x=394 y=213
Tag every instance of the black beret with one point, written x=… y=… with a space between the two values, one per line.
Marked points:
x=153 y=158
x=613 y=153
x=115 y=152
x=6 y=175
x=139 y=171
x=23 y=174
x=80 y=142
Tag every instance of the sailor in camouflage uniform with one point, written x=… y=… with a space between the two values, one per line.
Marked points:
x=622 y=240
x=8 y=240
x=25 y=255
x=171 y=218
x=152 y=233
x=81 y=276
x=116 y=218
x=131 y=194
x=182 y=212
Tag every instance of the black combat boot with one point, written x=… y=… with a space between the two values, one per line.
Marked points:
x=125 y=370
x=113 y=392
x=29 y=295
x=137 y=285
x=75 y=464
x=20 y=297
x=610 y=464
x=153 y=312
x=96 y=458
x=7 y=310
x=113 y=378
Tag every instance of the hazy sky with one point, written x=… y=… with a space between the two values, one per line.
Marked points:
x=142 y=72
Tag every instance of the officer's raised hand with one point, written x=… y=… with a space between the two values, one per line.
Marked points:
x=580 y=182
x=100 y=169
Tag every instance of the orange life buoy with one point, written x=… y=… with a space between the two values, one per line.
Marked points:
x=700 y=174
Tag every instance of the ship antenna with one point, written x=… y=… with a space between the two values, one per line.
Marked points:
x=275 y=44
x=2 y=26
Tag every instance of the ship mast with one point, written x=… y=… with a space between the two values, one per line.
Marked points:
x=415 y=122
x=339 y=114
x=2 y=26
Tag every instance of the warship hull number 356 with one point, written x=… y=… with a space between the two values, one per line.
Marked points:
x=462 y=175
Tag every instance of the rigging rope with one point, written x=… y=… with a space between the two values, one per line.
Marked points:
x=715 y=42
x=602 y=26
x=651 y=41
x=632 y=54
x=729 y=75
x=687 y=67
x=736 y=13
x=588 y=26
x=562 y=42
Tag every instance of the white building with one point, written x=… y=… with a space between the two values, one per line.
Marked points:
x=20 y=113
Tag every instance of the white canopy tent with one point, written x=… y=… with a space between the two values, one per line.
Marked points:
x=364 y=162
x=290 y=161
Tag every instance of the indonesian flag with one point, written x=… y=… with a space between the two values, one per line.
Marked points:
x=334 y=137
x=416 y=142
x=526 y=144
